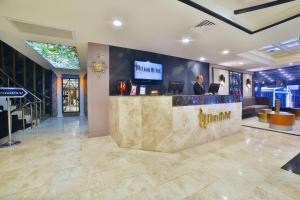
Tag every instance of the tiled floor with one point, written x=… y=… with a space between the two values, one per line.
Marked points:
x=254 y=123
x=58 y=161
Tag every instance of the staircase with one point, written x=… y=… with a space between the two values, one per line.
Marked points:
x=25 y=112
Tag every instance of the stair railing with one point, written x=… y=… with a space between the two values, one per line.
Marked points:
x=34 y=117
x=34 y=105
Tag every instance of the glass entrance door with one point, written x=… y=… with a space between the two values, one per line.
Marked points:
x=70 y=95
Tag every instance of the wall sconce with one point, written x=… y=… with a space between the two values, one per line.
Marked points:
x=248 y=83
x=222 y=80
x=99 y=65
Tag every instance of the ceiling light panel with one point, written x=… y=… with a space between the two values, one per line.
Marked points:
x=58 y=55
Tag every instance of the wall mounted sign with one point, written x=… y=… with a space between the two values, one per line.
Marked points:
x=9 y=92
x=205 y=119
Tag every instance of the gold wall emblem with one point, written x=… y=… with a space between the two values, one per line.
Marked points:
x=205 y=119
x=99 y=65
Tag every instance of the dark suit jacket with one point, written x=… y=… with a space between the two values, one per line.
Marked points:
x=198 y=89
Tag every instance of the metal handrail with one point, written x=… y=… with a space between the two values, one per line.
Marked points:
x=33 y=118
x=23 y=106
x=2 y=78
x=19 y=85
x=34 y=103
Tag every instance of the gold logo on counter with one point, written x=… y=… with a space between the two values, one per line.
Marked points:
x=205 y=119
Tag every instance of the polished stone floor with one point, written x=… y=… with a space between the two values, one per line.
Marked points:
x=254 y=123
x=58 y=161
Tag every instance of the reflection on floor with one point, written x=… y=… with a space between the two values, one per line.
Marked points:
x=58 y=161
x=254 y=123
x=71 y=108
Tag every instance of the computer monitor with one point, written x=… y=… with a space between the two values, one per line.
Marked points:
x=175 y=87
x=214 y=88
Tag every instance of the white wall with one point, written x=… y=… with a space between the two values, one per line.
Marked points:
x=247 y=92
x=97 y=92
x=224 y=90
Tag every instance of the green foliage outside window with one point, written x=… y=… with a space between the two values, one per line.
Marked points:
x=59 y=56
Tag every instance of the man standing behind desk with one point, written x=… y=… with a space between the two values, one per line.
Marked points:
x=198 y=86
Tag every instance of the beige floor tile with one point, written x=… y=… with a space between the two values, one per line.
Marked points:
x=58 y=161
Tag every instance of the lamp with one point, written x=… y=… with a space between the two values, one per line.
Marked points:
x=222 y=80
x=248 y=83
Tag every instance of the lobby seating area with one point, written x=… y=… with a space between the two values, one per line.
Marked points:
x=253 y=105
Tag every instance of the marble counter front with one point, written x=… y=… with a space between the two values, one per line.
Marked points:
x=156 y=123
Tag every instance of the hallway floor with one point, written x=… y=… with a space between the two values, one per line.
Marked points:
x=58 y=161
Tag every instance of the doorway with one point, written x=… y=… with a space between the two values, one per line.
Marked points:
x=70 y=96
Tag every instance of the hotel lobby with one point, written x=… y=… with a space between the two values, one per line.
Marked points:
x=139 y=99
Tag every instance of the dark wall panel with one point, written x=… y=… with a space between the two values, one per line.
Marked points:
x=19 y=68
x=121 y=63
x=29 y=74
x=39 y=81
x=8 y=59
x=48 y=91
x=26 y=73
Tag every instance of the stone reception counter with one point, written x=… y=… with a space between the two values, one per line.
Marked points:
x=172 y=123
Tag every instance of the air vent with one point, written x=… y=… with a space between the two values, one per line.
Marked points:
x=204 y=23
x=26 y=27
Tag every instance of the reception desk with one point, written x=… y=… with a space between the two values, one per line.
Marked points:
x=172 y=123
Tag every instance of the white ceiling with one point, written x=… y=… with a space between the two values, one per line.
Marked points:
x=256 y=19
x=150 y=25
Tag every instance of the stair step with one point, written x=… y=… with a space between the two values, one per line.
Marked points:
x=3 y=103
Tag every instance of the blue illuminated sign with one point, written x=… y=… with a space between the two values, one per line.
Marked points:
x=8 y=92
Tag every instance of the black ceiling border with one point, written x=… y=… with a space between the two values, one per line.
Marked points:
x=261 y=6
x=236 y=25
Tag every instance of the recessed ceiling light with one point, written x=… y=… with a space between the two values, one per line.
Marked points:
x=241 y=63
x=226 y=51
x=186 y=40
x=291 y=63
x=202 y=59
x=117 y=23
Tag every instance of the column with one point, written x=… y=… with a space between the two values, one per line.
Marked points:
x=81 y=92
x=97 y=92
x=59 y=94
